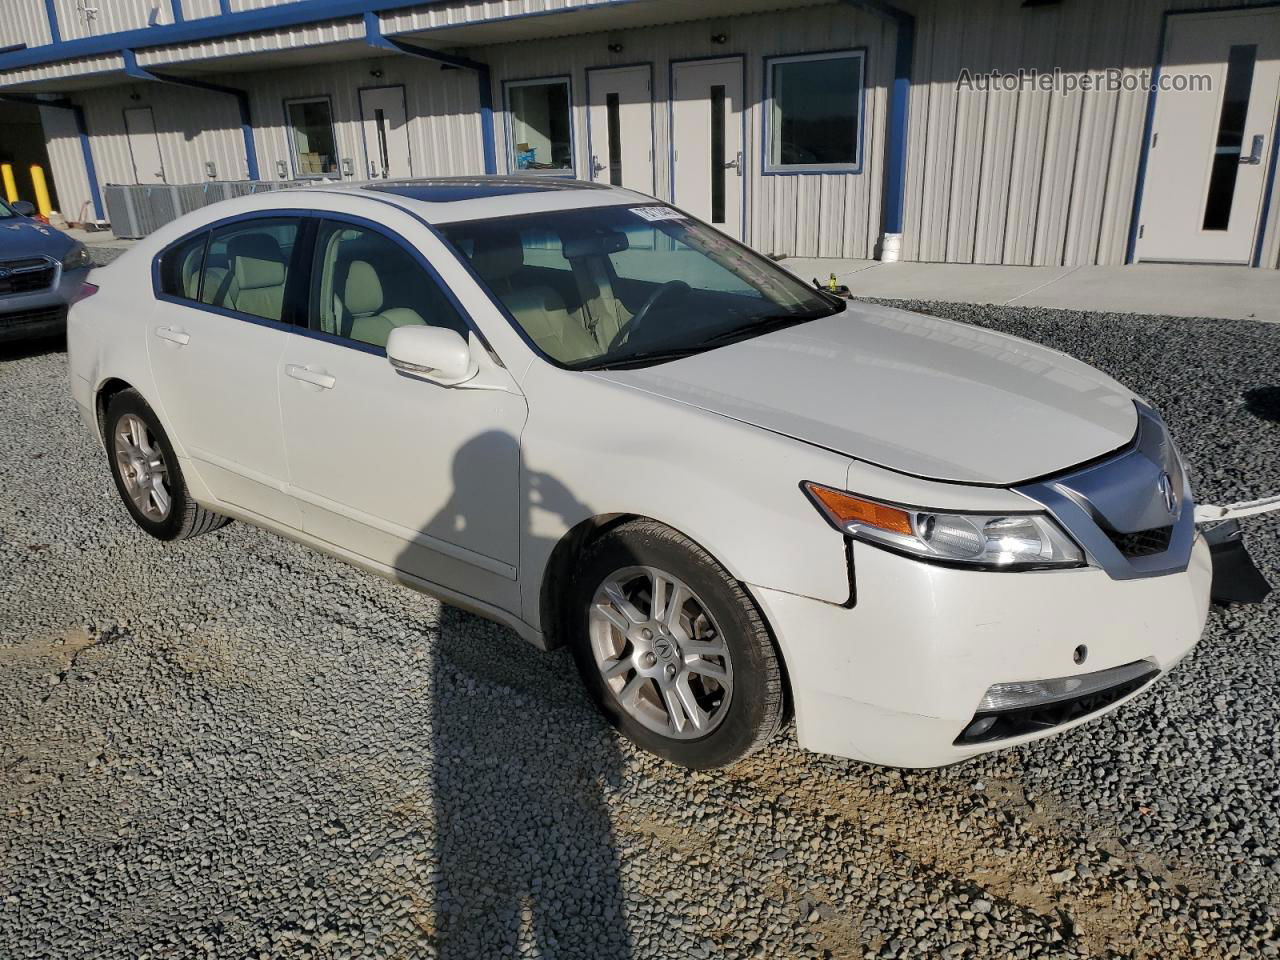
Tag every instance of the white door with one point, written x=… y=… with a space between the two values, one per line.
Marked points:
x=215 y=366
x=386 y=133
x=1211 y=142
x=620 y=127
x=144 y=145
x=405 y=473
x=707 y=148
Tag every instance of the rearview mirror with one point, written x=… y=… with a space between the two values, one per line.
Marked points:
x=23 y=208
x=432 y=353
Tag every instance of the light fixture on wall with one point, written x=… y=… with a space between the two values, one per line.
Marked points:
x=376 y=73
x=211 y=170
x=719 y=38
x=615 y=48
x=135 y=96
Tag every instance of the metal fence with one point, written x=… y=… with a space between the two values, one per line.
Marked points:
x=136 y=210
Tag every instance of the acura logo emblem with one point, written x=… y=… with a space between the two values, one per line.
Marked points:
x=1165 y=486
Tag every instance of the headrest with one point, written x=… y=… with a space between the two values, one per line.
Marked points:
x=497 y=255
x=256 y=260
x=363 y=293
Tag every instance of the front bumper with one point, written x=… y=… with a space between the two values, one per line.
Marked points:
x=897 y=678
x=42 y=313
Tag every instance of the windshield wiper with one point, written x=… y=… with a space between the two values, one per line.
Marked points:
x=641 y=359
x=762 y=325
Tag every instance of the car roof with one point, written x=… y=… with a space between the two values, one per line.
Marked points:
x=454 y=199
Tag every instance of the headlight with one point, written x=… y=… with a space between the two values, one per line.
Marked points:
x=77 y=257
x=1018 y=541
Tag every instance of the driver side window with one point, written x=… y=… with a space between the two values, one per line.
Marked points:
x=365 y=285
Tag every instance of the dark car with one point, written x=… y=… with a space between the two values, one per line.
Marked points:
x=41 y=270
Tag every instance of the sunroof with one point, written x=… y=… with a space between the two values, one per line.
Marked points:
x=453 y=189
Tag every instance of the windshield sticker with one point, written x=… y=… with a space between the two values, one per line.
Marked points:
x=659 y=213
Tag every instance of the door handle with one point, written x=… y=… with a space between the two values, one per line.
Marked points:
x=735 y=163
x=596 y=166
x=1255 y=154
x=316 y=377
x=173 y=335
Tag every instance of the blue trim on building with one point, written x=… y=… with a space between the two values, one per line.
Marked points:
x=178 y=16
x=51 y=12
x=895 y=174
x=131 y=68
x=374 y=36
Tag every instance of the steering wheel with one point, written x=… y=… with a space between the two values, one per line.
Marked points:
x=667 y=290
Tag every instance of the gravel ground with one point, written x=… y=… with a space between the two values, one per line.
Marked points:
x=236 y=747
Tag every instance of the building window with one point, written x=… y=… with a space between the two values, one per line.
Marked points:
x=541 y=126
x=814 y=114
x=315 y=151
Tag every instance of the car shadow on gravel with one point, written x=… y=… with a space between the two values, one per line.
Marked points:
x=22 y=349
x=525 y=856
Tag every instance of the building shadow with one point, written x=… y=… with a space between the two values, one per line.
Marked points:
x=1263 y=403
x=525 y=858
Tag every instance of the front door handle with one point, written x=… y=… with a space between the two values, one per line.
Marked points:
x=173 y=335
x=317 y=377
x=1255 y=155
x=597 y=167
x=735 y=163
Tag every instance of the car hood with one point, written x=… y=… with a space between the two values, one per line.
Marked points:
x=929 y=397
x=20 y=237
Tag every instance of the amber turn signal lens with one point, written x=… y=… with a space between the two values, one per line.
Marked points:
x=844 y=508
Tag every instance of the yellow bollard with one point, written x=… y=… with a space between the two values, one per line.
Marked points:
x=10 y=187
x=42 y=190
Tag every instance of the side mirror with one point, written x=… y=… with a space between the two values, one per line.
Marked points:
x=432 y=353
x=23 y=208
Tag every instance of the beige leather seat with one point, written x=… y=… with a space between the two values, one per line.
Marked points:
x=256 y=278
x=539 y=309
x=363 y=316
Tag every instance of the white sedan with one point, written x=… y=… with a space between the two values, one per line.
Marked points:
x=591 y=417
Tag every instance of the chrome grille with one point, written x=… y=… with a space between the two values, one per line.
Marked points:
x=26 y=276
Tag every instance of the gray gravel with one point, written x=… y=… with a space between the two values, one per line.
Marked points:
x=235 y=747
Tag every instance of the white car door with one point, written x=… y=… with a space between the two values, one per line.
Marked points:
x=219 y=330
x=405 y=473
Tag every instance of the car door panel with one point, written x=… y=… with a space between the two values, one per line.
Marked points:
x=406 y=473
x=216 y=380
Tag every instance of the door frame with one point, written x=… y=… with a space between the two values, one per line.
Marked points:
x=404 y=101
x=128 y=139
x=671 y=129
x=653 y=123
x=1268 y=189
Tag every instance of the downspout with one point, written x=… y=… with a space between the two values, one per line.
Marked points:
x=895 y=175
x=132 y=68
x=86 y=152
x=374 y=36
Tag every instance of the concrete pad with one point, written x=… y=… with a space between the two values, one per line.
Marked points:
x=820 y=268
x=953 y=282
x=1180 y=290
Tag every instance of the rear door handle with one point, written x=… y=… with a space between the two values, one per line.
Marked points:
x=173 y=335
x=317 y=377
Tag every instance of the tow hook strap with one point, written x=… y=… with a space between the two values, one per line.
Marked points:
x=1209 y=513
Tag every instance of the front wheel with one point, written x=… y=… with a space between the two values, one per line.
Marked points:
x=672 y=648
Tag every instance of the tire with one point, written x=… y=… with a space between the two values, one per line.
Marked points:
x=739 y=694
x=127 y=415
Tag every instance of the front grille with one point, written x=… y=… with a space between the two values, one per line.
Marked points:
x=25 y=276
x=24 y=317
x=1144 y=543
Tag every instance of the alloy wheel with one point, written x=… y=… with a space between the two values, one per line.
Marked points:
x=661 y=652
x=143 y=471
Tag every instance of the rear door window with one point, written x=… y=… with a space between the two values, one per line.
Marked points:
x=246 y=266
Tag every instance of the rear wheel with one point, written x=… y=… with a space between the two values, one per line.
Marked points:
x=147 y=473
x=673 y=649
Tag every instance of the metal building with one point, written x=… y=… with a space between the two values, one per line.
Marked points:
x=989 y=131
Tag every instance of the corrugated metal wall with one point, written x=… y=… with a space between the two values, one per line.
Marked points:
x=66 y=163
x=443 y=107
x=829 y=215
x=292 y=38
x=76 y=20
x=24 y=21
x=195 y=9
x=1030 y=177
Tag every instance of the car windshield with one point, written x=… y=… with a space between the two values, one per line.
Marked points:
x=625 y=286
